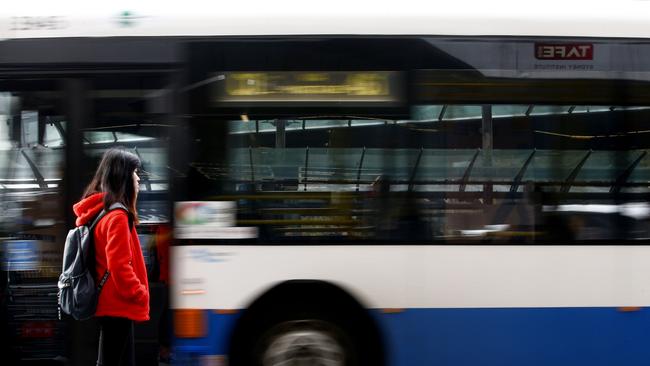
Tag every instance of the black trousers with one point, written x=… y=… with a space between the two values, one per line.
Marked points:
x=116 y=344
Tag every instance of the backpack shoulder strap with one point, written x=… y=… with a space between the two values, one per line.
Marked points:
x=99 y=216
x=115 y=206
x=119 y=206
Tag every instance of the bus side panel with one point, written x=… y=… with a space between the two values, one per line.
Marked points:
x=516 y=336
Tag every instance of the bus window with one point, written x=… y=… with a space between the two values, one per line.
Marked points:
x=442 y=148
x=551 y=173
x=128 y=115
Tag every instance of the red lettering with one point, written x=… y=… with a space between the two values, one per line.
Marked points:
x=564 y=51
x=574 y=52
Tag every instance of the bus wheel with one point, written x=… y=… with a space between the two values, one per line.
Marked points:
x=305 y=342
x=305 y=322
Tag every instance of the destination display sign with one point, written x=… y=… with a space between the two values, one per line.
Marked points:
x=347 y=87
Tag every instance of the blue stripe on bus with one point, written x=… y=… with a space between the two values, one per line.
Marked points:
x=495 y=336
x=517 y=336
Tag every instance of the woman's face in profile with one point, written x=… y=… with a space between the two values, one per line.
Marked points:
x=136 y=182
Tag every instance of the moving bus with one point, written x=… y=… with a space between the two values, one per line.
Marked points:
x=402 y=189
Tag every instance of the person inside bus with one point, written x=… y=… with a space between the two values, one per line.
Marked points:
x=125 y=296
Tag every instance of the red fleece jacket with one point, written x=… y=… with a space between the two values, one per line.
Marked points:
x=117 y=248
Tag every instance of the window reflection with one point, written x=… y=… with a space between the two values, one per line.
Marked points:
x=554 y=174
x=32 y=223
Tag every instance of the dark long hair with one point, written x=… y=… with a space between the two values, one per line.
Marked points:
x=114 y=177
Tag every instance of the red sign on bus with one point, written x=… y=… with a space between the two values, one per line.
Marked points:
x=564 y=51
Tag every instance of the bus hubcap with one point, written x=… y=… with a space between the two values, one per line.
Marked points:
x=304 y=347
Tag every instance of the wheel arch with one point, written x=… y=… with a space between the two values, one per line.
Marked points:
x=305 y=295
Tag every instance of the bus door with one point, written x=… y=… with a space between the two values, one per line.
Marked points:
x=34 y=119
x=132 y=110
x=53 y=131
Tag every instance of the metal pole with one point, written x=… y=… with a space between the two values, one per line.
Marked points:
x=250 y=157
x=363 y=154
x=306 y=166
x=488 y=143
x=486 y=129
x=415 y=170
x=280 y=133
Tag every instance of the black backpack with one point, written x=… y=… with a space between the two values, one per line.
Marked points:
x=77 y=291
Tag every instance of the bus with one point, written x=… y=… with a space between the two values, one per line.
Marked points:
x=452 y=185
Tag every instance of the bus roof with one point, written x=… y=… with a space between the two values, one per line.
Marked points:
x=76 y=18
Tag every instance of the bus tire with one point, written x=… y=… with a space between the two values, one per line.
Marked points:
x=314 y=328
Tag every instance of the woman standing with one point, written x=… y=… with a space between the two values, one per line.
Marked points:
x=125 y=295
